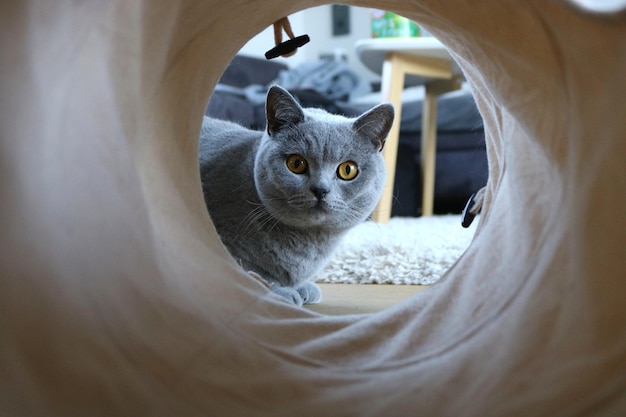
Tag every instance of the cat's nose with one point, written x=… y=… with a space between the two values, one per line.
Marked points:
x=319 y=192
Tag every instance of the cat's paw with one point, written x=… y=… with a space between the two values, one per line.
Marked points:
x=310 y=293
x=288 y=293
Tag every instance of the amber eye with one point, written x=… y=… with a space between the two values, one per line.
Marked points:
x=296 y=164
x=347 y=170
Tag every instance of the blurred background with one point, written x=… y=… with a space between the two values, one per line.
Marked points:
x=330 y=73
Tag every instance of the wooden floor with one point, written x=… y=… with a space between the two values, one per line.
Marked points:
x=356 y=298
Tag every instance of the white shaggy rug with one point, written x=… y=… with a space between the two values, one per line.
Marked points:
x=404 y=251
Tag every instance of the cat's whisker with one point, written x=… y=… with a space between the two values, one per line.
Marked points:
x=258 y=218
x=252 y=220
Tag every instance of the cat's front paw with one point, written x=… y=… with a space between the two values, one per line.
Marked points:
x=306 y=293
x=310 y=293
x=288 y=293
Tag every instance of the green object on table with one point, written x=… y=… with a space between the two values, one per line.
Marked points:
x=390 y=25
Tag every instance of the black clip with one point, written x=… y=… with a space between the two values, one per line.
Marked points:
x=287 y=47
x=467 y=217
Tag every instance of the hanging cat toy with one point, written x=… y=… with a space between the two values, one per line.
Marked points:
x=289 y=47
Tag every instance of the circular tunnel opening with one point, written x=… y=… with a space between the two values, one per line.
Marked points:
x=409 y=252
x=119 y=298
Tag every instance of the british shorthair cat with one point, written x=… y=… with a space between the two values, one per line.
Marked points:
x=281 y=199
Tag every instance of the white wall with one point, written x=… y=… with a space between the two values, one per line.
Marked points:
x=316 y=22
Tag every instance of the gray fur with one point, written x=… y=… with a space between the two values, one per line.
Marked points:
x=272 y=220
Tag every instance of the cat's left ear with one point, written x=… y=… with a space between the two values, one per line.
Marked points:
x=375 y=124
x=281 y=110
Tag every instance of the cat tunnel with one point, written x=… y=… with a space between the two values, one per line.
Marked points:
x=117 y=297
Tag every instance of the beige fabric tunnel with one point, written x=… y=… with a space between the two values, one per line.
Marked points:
x=117 y=298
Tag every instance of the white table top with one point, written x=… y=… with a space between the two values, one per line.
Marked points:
x=372 y=52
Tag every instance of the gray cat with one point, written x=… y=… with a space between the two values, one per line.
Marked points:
x=282 y=199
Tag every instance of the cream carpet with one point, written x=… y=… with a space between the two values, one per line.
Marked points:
x=407 y=250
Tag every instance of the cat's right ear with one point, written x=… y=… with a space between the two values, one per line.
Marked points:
x=281 y=110
x=375 y=124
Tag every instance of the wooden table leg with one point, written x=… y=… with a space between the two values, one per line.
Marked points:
x=395 y=68
x=428 y=151
x=429 y=139
x=392 y=83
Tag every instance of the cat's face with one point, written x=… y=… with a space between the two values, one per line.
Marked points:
x=314 y=169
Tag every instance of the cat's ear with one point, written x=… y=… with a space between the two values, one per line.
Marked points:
x=375 y=124
x=281 y=110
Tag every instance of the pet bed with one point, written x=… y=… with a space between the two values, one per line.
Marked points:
x=117 y=297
